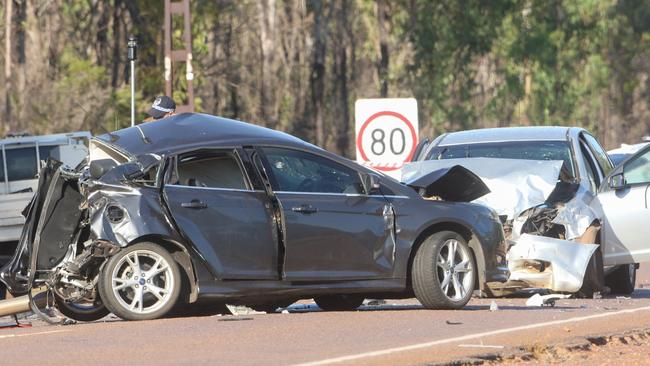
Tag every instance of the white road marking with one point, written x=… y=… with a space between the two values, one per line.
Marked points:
x=478 y=346
x=31 y=334
x=417 y=346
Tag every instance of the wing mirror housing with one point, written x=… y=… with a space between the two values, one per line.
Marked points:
x=370 y=182
x=617 y=181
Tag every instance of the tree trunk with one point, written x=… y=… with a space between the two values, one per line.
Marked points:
x=266 y=11
x=7 y=117
x=317 y=75
x=382 y=66
x=343 y=140
x=117 y=37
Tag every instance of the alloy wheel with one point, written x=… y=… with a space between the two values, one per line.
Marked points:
x=142 y=281
x=454 y=269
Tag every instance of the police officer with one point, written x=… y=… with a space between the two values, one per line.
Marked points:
x=162 y=107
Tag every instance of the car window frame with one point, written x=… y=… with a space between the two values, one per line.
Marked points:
x=590 y=165
x=585 y=137
x=272 y=179
x=236 y=153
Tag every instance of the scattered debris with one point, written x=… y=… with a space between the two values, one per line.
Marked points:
x=242 y=310
x=545 y=300
x=623 y=298
x=597 y=295
x=375 y=302
x=234 y=319
x=494 y=306
x=453 y=323
x=285 y=311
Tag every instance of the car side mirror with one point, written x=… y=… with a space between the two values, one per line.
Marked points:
x=617 y=181
x=370 y=182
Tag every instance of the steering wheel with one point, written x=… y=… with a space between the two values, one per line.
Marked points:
x=306 y=185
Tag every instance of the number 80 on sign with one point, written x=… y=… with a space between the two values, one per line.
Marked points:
x=385 y=140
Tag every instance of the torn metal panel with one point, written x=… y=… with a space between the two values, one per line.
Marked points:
x=515 y=184
x=555 y=264
x=575 y=215
x=455 y=183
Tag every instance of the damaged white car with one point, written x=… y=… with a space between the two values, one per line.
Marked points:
x=576 y=223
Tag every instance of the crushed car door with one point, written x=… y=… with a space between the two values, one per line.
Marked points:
x=332 y=229
x=229 y=223
x=623 y=200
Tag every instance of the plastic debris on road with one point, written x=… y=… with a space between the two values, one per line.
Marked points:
x=494 y=306
x=538 y=300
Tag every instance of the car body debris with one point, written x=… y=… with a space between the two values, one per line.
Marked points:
x=545 y=300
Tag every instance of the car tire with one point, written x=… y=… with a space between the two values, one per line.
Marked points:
x=130 y=296
x=343 y=302
x=82 y=312
x=594 y=279
x=622 y=280
x=444 y=271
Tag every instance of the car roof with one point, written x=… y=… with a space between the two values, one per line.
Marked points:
x=193 y=130
x=529 y=133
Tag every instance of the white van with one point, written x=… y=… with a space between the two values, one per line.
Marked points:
x=19 y=166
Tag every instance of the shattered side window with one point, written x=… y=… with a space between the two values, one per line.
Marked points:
x=297 y=171
x=637 y=171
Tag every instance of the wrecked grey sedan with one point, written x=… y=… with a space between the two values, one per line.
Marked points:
x=196 y=207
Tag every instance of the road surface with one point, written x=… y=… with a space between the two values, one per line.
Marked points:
x=398 y=332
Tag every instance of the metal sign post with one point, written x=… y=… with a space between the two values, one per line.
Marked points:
x=132 y=55
x=179 y=56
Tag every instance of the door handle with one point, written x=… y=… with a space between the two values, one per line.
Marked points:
x=305 y=209
x=194 y=204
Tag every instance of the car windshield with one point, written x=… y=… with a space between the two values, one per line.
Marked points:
x=529 y=150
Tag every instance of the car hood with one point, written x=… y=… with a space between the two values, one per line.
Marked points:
x=455 y=184
x=514 y=185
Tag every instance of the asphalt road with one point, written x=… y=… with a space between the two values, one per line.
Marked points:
x=398 y=332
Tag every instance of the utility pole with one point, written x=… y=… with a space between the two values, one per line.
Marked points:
x=7 y=117
x=182 y=55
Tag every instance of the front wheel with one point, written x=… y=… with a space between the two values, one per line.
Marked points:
x=140 y=282
x=443 y=272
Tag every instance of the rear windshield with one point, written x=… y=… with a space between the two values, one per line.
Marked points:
x=529 y=150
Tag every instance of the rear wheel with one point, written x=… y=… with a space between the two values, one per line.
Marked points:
x=89 y=310
x=343 y=302
x=443 y=271
x=622 y=280
x=140 y=282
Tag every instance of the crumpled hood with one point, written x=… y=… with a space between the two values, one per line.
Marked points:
x=514 y=185
x=455 y=184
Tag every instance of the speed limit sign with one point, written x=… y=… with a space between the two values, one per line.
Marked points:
x=386 y=133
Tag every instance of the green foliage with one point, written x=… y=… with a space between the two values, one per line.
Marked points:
x=469 y=63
